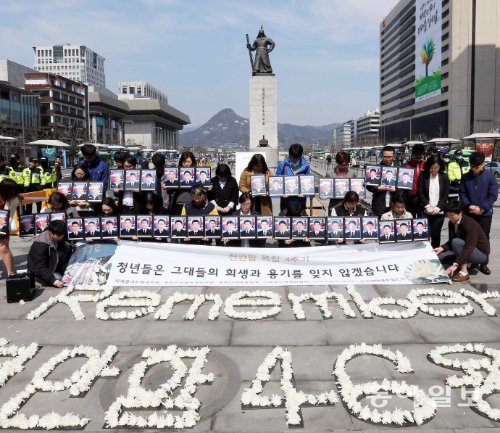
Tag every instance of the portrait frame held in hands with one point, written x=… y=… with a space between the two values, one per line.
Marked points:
x=92 y=228
x=405 y=178
x=109 y=227
x=128 y=226
x=148 y=180
x=186 y=177
x=282 y=228
x=75 y=229
x=335 y=228
x=373 y=174
x=420 y=229
x=144 y=226
x=299 y=227
x=132 y=180
x=264 y=227
x=276 y=186
x=161 y=226
x=212 y=227
x=386 y=232
x=258 y=185
x=291 y=186
x=178 y=227
x=230 y=227
x=171 y=177
x=326 y=188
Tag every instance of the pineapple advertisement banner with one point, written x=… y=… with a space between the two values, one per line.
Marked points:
x=428 y=49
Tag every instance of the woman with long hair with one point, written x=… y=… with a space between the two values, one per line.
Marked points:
x=8 y=201
x=257 y=165
x=224 y=190
x=432 y=190
x=59 y=203
x=181 y=196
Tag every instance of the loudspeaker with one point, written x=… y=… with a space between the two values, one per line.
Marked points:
x=20 y=286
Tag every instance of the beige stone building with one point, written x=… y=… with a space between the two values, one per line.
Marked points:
x=468 y=49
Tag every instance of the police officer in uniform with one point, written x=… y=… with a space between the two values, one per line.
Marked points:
x=34 y=180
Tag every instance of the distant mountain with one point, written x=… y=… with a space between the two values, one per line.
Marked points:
x=227 y=127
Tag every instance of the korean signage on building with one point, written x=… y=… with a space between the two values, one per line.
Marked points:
x=428 y=49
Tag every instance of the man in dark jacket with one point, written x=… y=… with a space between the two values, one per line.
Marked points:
x=478 y=192
x=467 y=244
x=49 y=255
x=382 y=194
x=99 y=170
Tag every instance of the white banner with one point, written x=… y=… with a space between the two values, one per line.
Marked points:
x=428 y=49
x=136 y=264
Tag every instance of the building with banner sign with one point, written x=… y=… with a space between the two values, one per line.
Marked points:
x=437 y=69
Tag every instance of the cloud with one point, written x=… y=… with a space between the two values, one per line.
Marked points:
x=198 y=45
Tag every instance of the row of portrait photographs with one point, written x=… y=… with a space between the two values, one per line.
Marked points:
x=145 y=180
x=186 y=177
x=282 y=185
x=401 y=178
x=339 y=187
x=30 y=225
x=232 y=227
x=92 y=192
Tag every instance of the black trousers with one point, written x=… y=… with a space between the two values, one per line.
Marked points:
x=435 y=225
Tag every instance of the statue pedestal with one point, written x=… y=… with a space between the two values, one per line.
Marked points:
x=263 y=110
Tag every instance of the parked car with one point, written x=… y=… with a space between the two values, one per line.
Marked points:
x=494 y=167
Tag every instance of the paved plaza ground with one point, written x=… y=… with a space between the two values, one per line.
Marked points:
x=238 y=347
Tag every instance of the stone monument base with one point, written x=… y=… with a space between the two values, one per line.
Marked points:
x=263 y=110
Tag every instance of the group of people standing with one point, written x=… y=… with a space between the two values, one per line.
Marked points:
x=226 y=196
x=469 y=218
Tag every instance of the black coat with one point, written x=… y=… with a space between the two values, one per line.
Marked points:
x=423 y=189
x=223 y=196
x=45 y=257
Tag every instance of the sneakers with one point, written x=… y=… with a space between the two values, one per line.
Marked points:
x=459 y=277
x=484 y=269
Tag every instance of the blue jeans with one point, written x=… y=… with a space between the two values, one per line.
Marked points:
x=457 y=245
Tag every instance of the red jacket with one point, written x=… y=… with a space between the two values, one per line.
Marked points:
x=419 y=167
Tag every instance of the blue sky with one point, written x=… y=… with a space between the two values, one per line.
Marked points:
x=326 y=55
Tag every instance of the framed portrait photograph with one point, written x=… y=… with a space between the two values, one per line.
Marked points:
x=144 y=226
x=148 y=180
x=132 y=180
x=403 y=231
x=299 y=227
x=92 y=228
x=203 y=175
x=127 y=226
x=276 y=186
x=386 y=232
x=26 y=226
x=420 y=229
x=405 y=178
x=66 y=188
x=95 y=192
x=109 y=227
x=389 y=176
x=282 y=228
x=358 y=186
x=116 y=179
x=195 y=227
x=372 y=175
x=306 y=183
x=370 y=228
x=264 y=227
x=335 y=228
x=4 y=222
x=186 y=176
x=41 y=222
x=258 y=185
x=291 y=185
x=247 y=227
x=352 y=228
x=171 y=177
x=212 y=227
x=230 y=227
x=317 y=228
x=80 y=191
x=161 y=226
x=58 y=216
x=75 y=229
x=341 y=187
x=178 y=227
x=326 y=188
